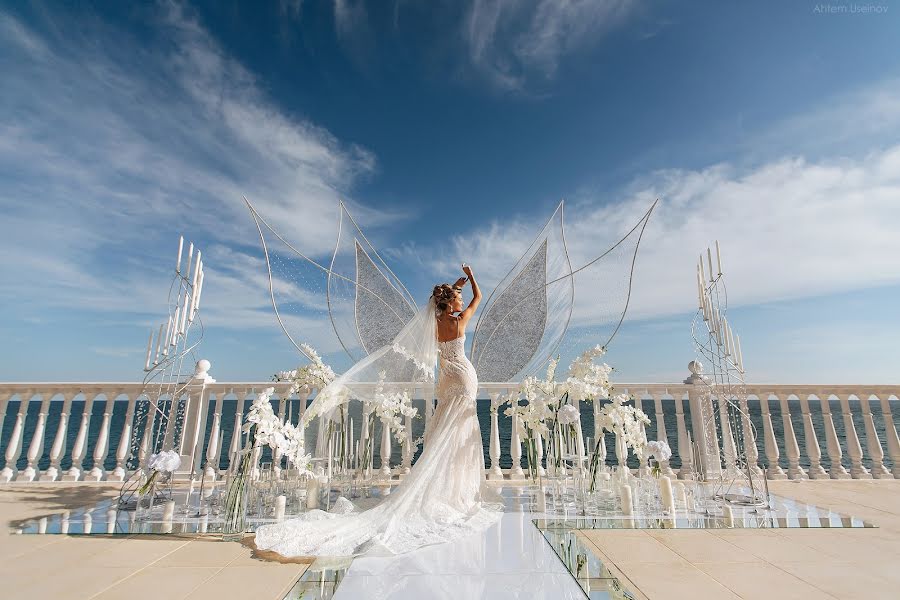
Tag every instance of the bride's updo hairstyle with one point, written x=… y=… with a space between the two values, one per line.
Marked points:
x=443 y=296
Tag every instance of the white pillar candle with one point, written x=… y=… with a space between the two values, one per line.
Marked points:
x=680 y=494
x=280 y=503
x=665 y=494
x=729 y=516
x=168 y=510
x=312 y=493
x=627 y=507
x=204 y=524
x=180 y=248
x=718 y=257
x=111 y=520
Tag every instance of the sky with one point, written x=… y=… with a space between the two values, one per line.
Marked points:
x=452 y=130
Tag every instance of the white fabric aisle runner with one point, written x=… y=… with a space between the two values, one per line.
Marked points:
x=509 y=560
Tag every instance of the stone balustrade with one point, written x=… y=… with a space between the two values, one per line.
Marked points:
x=83 y=431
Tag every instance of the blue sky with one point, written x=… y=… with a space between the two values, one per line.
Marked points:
x=767 y=125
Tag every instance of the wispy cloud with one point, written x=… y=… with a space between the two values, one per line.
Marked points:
x=110 y=146
x=510 y=42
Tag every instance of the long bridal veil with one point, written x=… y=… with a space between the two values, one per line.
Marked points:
x=409 y=359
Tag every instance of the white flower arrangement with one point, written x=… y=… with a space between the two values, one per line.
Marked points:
x=568 y=415
x=625 y=421
x=659 y=450
x=315 y=375
x=392 y=408
x=167 y=461
x=587 y=380
x=270 y=431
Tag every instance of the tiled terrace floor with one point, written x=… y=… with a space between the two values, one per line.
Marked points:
x=770 y=564
x=657 y=564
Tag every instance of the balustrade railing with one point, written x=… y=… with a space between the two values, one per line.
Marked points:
x=83 y=431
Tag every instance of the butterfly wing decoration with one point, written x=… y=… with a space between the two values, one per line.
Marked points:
x=527 y=316
x=523 y=322
x=356 y=292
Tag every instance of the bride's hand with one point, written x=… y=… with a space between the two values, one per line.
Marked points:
x=467 y=270
x=460 y=282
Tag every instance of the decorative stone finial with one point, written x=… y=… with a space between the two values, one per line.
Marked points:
x=696 y=369
x=201 y=372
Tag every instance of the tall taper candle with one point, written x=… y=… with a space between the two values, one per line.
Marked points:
x=199 y=290
x=709 y=260
x=187 y=271
x=180 y=248
x=175 y=326
x=718 y=257
x=740 y=355
x=699 y=288
x=196 y=270
x=149 y=348
x=168 y=337
x=680 y=493
x=184 y=310
x=159 y=341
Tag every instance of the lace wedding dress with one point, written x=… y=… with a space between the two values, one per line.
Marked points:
x=443 y=497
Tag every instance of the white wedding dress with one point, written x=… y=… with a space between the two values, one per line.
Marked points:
x=443 y=497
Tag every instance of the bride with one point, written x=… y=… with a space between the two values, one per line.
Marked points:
x=444 y=496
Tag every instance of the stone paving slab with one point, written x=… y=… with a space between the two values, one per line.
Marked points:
x=769 y=564
x=118 y=567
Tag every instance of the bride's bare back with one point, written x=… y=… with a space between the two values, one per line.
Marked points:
x=449 y=301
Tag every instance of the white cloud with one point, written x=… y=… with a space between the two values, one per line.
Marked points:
x=790 y=228
x=510 y=41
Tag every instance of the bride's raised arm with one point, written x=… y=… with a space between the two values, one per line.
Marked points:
x=476 y=296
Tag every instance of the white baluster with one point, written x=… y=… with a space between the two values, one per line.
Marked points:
x=36 y=447
x=515 y=450
x=791 y=447
x=893 y=441
x=4 y=403
x=101 y=447
x=58 y=449
x=495 y=473
x=873 y=443
x=14 y=447
x=406 y=449
x=643 y=468
x=79 y=448
x=751 y=452
x=813 y=451
x=661 y=433
x=685 y=452
x=771 y=447
x=600 y=436
x=213 y=450
x=854 y=449
x=235 y=445
x=120 y=472
x=832 y=444
x=385 y=449
x=729 y=450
